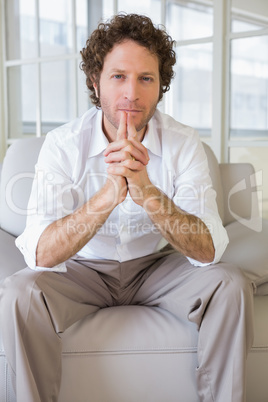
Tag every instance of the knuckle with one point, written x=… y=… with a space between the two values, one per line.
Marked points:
x=124 y=155
x=129 y=148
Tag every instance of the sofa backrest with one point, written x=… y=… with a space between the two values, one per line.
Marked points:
x=240 y=194
x=236 y=188
x=215 y=175
x=16 y=182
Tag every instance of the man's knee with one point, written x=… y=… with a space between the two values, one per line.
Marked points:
x=235 y=278
x=234 y=290
x=15 y=291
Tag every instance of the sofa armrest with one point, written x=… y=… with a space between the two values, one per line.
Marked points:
x=1 y=165
x=11 y=259
x=248 y=249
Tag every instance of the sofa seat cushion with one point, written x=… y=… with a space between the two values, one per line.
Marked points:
x=152 y=361
x=154 y=348
x=249 y=250
x=126 y=336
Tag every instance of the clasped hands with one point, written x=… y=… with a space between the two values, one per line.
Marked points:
x=127 y=159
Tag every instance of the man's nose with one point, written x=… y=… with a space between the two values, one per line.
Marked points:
x=132 y=90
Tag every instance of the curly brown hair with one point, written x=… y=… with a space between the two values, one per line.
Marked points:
x=138 y=28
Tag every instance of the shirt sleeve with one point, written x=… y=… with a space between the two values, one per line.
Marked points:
x=51 y=199
x=194 y=193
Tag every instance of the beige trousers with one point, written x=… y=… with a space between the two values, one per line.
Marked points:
x=36 y=306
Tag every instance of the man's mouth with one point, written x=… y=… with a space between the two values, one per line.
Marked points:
x=129 y=110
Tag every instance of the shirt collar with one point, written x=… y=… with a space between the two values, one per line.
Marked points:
x=151 y=139
x=99 y=141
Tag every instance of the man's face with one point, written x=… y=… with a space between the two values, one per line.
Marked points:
x=129 y=82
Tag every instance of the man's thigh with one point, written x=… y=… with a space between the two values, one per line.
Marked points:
x=67 y=297
x=175 y=284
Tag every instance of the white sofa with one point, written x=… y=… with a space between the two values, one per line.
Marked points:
x=135 y=353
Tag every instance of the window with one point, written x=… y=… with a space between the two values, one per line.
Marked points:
x=43 y=80
x=249 y=85
x=151 y=8
x=190 y=98
x=248 y=90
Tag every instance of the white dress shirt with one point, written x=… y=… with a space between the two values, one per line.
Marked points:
x=71 y=169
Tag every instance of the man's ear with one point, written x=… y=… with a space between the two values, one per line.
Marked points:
x=95 y=86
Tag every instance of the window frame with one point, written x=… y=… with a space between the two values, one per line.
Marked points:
x=73 y=56
x=229 y=142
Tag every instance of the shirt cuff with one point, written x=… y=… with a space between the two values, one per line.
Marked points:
x=58 y=268
x=28 y=249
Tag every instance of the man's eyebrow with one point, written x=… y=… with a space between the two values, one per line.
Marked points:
x=117 y=70
x=120 y=71
x=149 y=73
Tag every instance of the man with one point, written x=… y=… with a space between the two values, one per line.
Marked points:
x=122 y=187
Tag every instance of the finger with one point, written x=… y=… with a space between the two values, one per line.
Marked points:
x=133 y=137
x=138 y=151
x=131 y=129
x=122 y=129
x=123 y=150
x=118 y=169
x=115 y=156
x=133 y=165
x=125 y=169
x=115 y=146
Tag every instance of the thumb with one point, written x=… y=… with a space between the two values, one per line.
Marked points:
x=122 y=129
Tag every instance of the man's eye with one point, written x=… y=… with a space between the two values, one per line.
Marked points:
x=117 y=76
x=147 y=79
